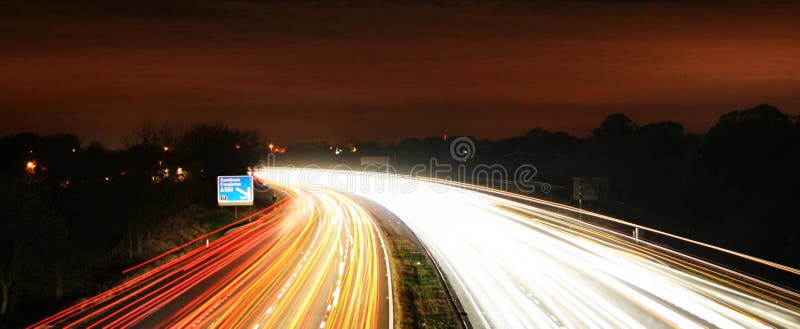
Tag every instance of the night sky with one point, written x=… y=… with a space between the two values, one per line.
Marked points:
x=383 y=71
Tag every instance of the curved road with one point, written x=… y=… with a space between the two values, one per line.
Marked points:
x=514 y=265
x=314 y=261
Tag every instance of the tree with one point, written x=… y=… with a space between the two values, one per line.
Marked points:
x=661 y=139
x=219 y=150
x=615 y=127
x=25 y=234
x=750 y=145
x=545 y=142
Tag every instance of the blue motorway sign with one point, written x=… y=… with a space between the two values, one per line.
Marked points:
x=235 y=190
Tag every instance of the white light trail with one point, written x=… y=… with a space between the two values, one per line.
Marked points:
x=513 y=265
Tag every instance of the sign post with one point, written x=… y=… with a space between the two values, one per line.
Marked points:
x=235 y=191
x=588 y=189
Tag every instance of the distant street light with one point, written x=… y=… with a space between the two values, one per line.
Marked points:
x=166 y=148
x=30 y=167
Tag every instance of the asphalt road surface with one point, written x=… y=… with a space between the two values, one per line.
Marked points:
x=514 y=265
x=311 y=261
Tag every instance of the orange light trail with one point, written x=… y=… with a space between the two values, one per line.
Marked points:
x=314 y=261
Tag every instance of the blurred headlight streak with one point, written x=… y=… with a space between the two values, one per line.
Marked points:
x=514 y=265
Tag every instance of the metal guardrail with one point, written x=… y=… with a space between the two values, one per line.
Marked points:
x=736 y=265
x=770 y=278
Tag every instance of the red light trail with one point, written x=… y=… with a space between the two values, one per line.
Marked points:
x=310 y=260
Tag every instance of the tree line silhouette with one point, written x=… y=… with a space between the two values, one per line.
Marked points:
x=72 y=216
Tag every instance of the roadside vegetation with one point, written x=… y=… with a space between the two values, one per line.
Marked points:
x=73 y=216
x=422 y=299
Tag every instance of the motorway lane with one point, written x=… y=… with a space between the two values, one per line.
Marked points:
x=316 y=262
x=514 y=265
